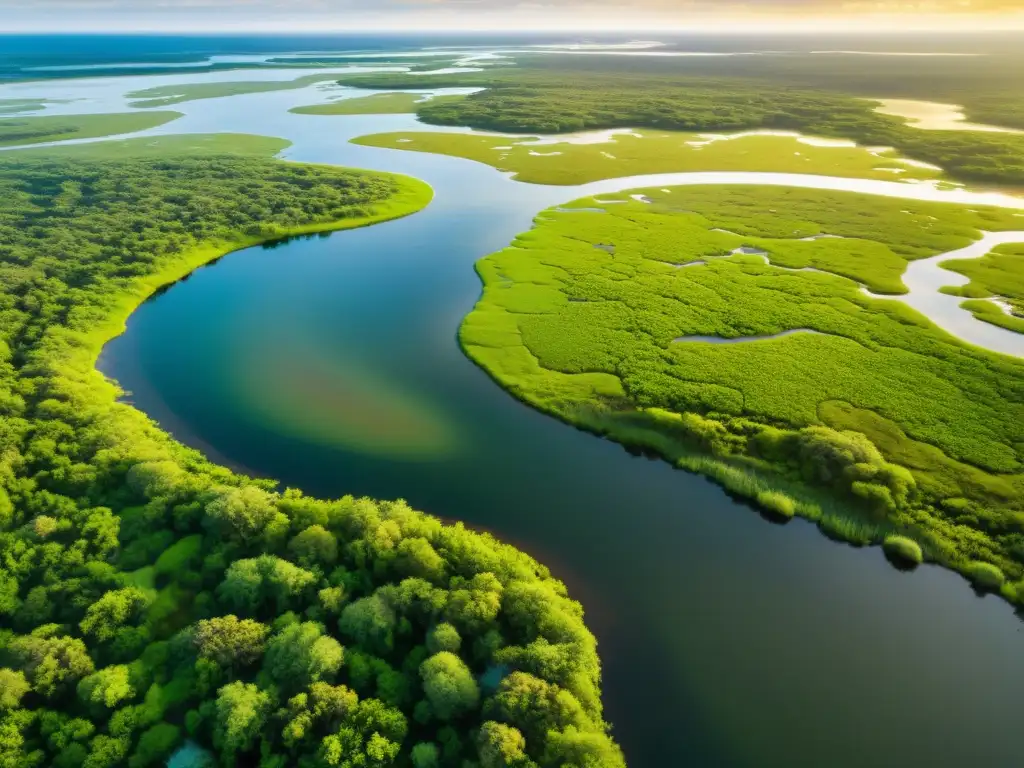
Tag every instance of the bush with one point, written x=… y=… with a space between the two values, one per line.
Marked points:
x=903 y=550
x=777 y=503
x=985 y=576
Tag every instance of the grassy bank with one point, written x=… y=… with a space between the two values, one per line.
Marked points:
x=15 y=131
x=148 y=596
x=875 y=423
x=636 y=152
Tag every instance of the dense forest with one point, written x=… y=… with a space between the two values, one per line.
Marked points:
x=824 y=402
x=148 y=597
x=560 y=94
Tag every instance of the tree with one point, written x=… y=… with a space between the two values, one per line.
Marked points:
x=13 y=686
x=502 y=746
x=106 y=687
x=241 y=712
x=425 y=755
x=51 y=663
x=573 y=748
x=443 y=637
x=155 y=745
x=246 y=513
x=314 y=546
x=418 y=558
x=301 y=654
x=370 y=737
x=370 y=622
x=230 y=641
x=155 y=479
x=250 y=584
x=449 y=685
x=112 y=611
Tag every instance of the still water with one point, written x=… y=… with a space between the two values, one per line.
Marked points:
x=726 y=640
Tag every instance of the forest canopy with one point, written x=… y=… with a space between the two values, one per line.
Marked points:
x=148 y=597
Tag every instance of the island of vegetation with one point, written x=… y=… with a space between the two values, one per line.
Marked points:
x=15 y=131
x=561 y=94
x=996 y=277
x=377 y=104
x=727 y=329
x=616 y=153
x=148 y=596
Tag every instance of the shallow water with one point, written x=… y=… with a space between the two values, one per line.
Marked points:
x=925 y=277
x=932 y=116
x=740 y=339
x=726 y=640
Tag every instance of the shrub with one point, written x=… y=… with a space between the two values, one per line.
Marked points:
x=777 y=503
x=985 y=576
x=903 y=550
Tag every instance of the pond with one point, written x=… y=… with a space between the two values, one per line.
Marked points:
x=331 y=364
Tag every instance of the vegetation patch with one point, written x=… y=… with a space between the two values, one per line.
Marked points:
x=877 y=423
x=167 y=95
x=636 y=152
x=148 y=596
x=903 y=551
x=15 y=131
x=999 y=275
x=560 y=95
x=378 y=104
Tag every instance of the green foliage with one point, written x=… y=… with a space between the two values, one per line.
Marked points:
x=13 y=686
x=443 y=637
x=205 y=599
x=777 y=503
x=155 y=745
x=107 y=687
x=241 y=712
x=865 y=418
x=302 y=654
x=635 y=152
x=449 y=686
x=563 y=94
x=903 y=550
x=228 y=641
x=985 y=575
x=16 y=131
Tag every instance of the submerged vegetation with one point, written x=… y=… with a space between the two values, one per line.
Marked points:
x=15 y=131
x=148 y=596
x=863 y=417
x=631 y=153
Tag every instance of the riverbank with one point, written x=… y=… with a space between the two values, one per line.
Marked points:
x=876 y=424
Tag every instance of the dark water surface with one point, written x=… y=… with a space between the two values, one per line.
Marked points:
x=726 y=641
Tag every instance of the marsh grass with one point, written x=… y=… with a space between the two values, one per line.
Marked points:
x=903 y=551
x=985 y=576
x=17 y=131
x=933 y=429
x=643 y=152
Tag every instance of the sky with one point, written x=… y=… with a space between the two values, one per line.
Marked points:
x=455 y=15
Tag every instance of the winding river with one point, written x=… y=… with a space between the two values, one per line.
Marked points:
x=726 y=640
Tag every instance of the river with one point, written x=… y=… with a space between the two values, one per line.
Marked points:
x=726 y=640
